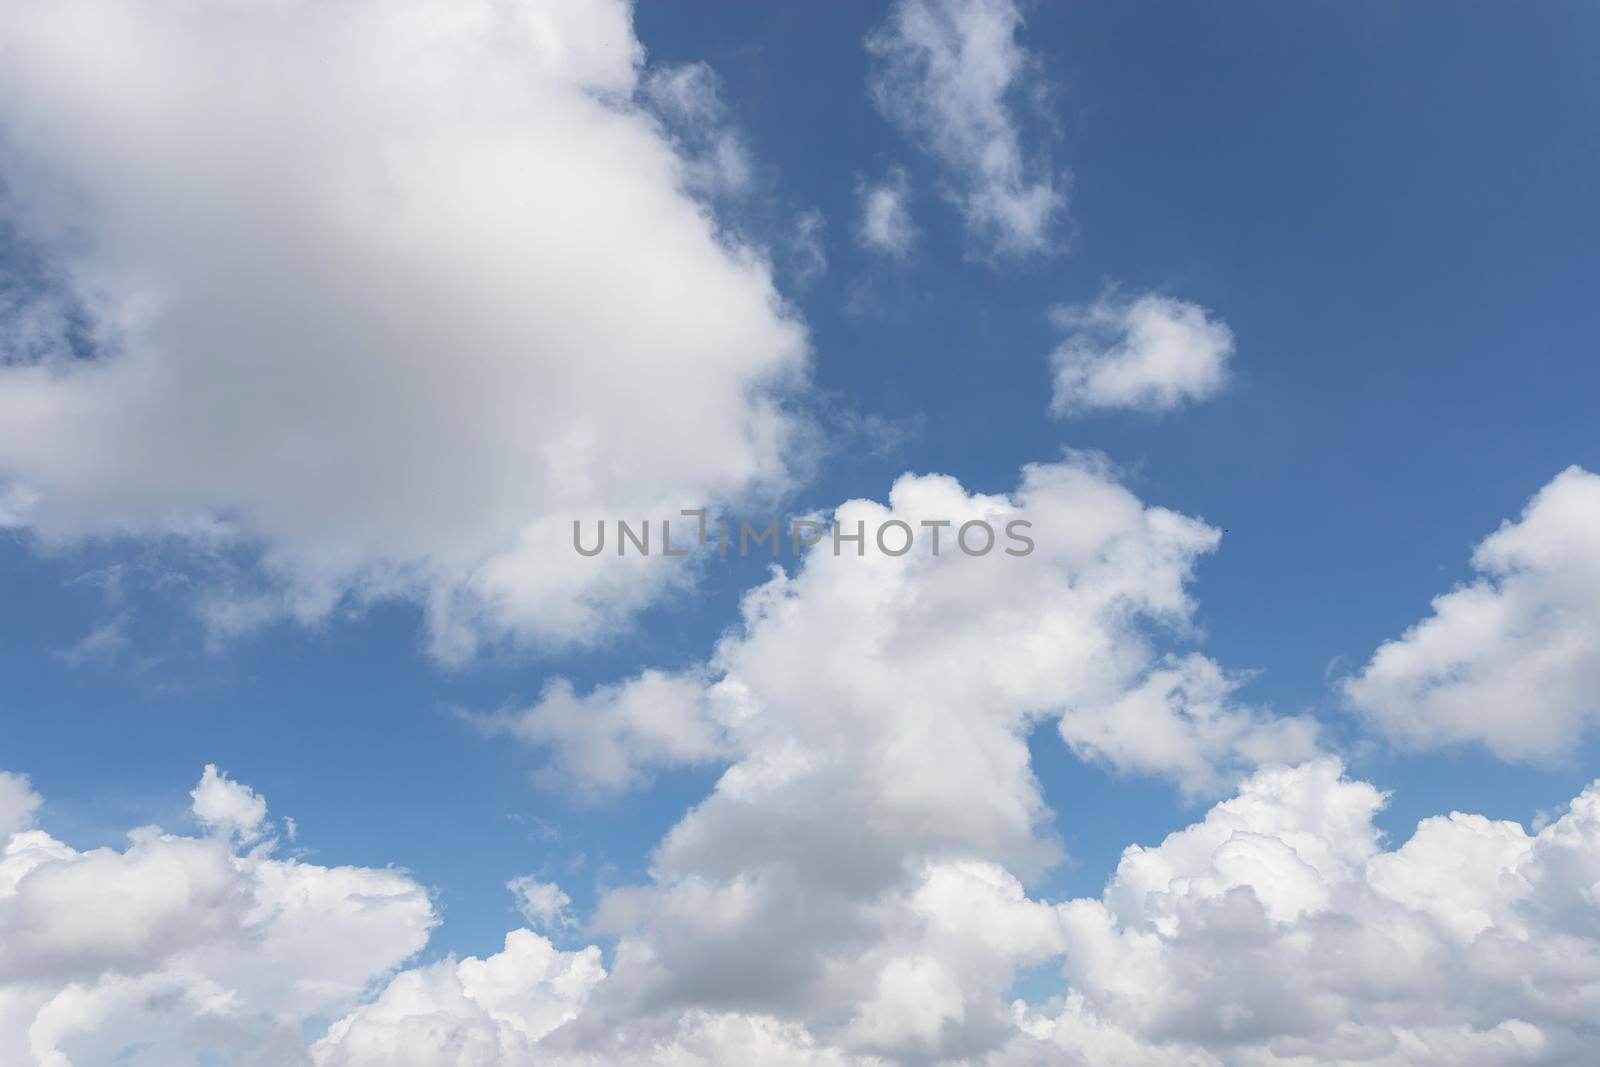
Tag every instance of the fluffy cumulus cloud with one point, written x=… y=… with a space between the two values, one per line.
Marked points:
x=386 y=295
x=543 y=904
x=854 y=890
x=182 y=949
x=1150 y=353
x=474 y=1013
x=1276 y=930
x=383 y=294
x=229 y=807
x=856 y=871
x=1510 y=660
x=1279 y=931
x=940 y=657
x=951 y=74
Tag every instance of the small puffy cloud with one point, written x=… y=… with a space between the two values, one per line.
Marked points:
x=610 y=739
x=382 y=303
x=543 y=904
x=228 y=807
x=1278 y=930
x=886 y=224
x=1051 y=630
x=1152 y=353
x=1510 y=660
x=952 y=76
x=184 y=950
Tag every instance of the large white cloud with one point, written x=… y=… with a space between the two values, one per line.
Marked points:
x=184 y=947
x=951 y=74
x=1277 y=930
x=1151 y=353
x=854 y=889
x=918 y=660
x=856 y=868
x=1510 y=660
x=392 y=292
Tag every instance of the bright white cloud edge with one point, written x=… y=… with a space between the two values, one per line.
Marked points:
x=1511 y=659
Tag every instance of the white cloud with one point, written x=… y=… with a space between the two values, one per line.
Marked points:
x=229 y=807
x=611 y=739
x=543 y=904
x=873 y=712
x=391 y=293
x=18 y=803
x=1152 y=353
x=1181 y=721
x=886 y=224
x=1510 y=660
x=854 y=888
x=473 y=1013
x=1277 y=930
x=951 y=74
x=182 y=948
x=853 y=644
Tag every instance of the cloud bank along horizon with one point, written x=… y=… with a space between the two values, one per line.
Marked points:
x=1277 y=927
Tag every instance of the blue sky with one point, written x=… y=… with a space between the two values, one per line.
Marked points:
x=1390 y=206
